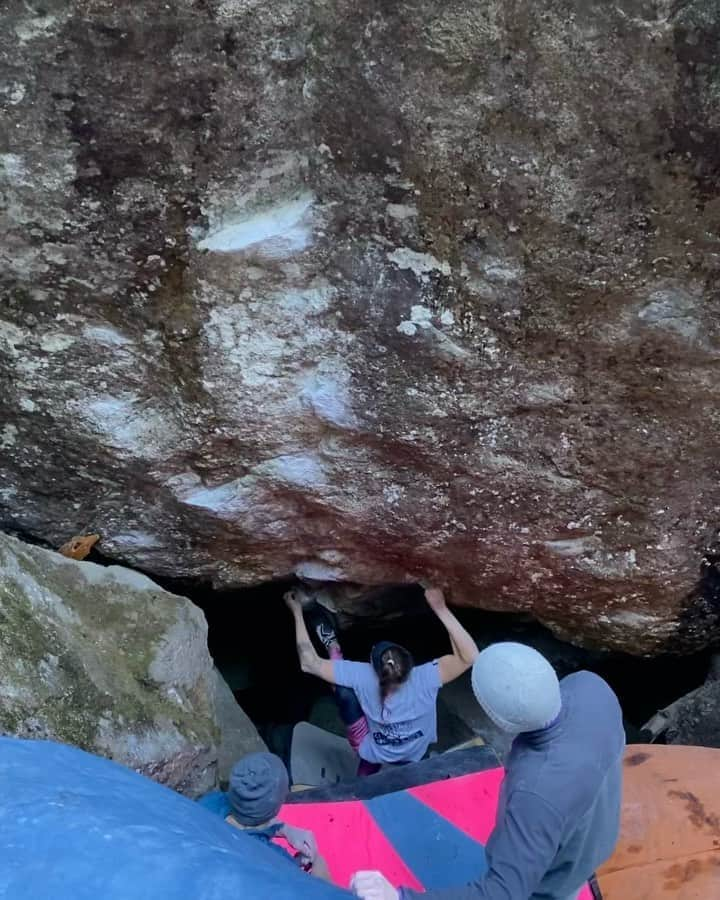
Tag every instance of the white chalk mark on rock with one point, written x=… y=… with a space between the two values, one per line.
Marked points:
x=136 y=540
x=421 y=315
x=106 y=335
x=407 y=328
x=329 y=400
x=8 y=436
x=278 y=230
x=401 y=211
x=315 y=570
x=56 y=342
x=303 y=470
x=569 y=547
x=127 y=424
x=233 y=497
x=674 y=310
x=421 y=264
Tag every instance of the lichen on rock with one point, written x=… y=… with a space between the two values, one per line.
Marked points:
x=104 y=659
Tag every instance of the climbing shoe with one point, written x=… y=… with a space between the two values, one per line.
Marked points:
x=321 y=625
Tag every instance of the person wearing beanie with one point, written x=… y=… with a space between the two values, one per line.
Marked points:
x=388 y=705
x=258 y=788
x=559 y=811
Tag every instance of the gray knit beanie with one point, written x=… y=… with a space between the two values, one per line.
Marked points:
x=517 y=687
x=259 y=786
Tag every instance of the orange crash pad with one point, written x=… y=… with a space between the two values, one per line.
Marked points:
x=670 y=834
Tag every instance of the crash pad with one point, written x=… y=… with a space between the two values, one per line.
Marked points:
x=428 y=835
x=670 y=830
x=77 y=827
x=477 y=758
x=318 y=757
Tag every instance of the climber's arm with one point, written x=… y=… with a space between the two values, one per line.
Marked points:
x=310 y=662
x=465 y=651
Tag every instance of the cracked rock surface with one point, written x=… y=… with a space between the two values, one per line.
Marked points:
x=371 y=293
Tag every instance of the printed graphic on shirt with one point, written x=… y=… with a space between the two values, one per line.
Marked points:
x=395 y=734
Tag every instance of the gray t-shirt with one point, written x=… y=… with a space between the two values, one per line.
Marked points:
x=404 y=726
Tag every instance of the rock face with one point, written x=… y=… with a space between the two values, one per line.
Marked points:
x=696 y=719
x=368 y=293
x=693 y=719
x=238 y=735
x=105 y=659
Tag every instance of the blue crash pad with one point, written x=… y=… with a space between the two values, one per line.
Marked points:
x=77 y=827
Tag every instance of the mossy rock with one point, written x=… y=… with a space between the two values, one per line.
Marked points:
x=104 y=659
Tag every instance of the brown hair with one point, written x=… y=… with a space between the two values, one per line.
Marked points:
x=395 y=667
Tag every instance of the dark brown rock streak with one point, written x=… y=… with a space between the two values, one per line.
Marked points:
x=371 y=292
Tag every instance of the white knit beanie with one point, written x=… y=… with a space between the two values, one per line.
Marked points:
x=517 y=687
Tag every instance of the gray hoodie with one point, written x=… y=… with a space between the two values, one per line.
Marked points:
x=559 y=811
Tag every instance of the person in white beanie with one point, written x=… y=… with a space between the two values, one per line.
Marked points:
x=559 y=811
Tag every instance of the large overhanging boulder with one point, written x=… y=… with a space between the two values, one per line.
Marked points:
x=370 y=293
x=104 y=659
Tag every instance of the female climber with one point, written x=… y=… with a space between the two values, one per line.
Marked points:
x=388 y=706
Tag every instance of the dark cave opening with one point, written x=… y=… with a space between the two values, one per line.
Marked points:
x=251 y=639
